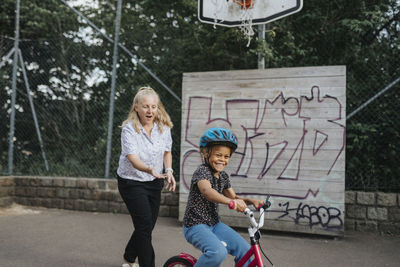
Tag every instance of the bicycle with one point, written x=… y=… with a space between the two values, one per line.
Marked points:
x=187 y=260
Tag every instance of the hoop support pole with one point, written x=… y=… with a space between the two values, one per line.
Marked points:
x=14 y=92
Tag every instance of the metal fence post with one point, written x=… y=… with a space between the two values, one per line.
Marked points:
x=14 y=92
x=35 y=120
x=261 y=37
x=112 y=93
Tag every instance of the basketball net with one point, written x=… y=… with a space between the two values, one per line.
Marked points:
x=245 y=9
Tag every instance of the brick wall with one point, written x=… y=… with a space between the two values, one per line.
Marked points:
x=7 y=191
x=373 y=211
x=365 y=211
x=84 y=194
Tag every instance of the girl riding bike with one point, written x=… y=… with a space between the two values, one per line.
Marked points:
x=209 y=187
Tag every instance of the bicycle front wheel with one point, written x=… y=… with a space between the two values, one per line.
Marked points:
x=177 y=261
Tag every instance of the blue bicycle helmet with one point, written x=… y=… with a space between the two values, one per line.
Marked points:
x=219 y=136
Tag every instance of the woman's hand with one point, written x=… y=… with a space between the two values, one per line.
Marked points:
x=171 y=181
x=153 y=172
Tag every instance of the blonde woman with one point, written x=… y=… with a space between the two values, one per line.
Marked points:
x=146 y=151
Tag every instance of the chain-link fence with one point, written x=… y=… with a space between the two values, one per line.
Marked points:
x=373 y=139
x=70 y=80
x=70 y=86
x=373 y=121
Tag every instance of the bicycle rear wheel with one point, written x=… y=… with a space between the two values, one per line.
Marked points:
x=177 y=261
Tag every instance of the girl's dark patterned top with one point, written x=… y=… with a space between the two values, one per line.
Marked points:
x=198 y=209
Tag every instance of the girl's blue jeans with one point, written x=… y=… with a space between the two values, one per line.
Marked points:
x=208 y=239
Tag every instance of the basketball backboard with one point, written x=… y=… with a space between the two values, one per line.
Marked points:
x=232 y=13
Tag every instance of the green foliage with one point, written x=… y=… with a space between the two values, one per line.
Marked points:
x=372 y=157
x=38 y=19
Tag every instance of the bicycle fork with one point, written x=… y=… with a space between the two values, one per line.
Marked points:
x=255 y=250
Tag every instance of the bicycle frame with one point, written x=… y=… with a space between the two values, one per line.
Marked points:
x=254 y=241
x=255 y=248
x=257 y=261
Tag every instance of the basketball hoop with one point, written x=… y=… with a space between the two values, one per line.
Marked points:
x=246 y=27
x=243 y=10
x=245 y=13
x=245 y=4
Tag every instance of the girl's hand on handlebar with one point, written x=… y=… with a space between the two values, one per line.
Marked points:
x=257 y=203
x=239 y=205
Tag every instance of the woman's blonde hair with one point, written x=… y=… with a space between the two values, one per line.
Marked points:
x=162 y=118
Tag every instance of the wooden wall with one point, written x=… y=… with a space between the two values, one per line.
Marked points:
x=291 y=126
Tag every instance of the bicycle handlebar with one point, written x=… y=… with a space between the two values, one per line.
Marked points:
x=250 y=214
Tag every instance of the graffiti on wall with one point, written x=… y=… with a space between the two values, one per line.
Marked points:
x=327 y=217
x=281 y=139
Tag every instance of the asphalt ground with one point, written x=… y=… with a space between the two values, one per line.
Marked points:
x=49 y=237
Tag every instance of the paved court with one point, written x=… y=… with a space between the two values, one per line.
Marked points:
x=48 y=237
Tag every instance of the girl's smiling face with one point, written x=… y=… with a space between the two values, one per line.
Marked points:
x=219 y=157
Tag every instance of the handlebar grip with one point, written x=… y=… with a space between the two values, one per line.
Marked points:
x=265 y=206
x=232 y=204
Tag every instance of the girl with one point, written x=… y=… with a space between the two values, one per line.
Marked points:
x=210 y=185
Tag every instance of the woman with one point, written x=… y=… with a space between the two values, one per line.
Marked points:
x=146 y=148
